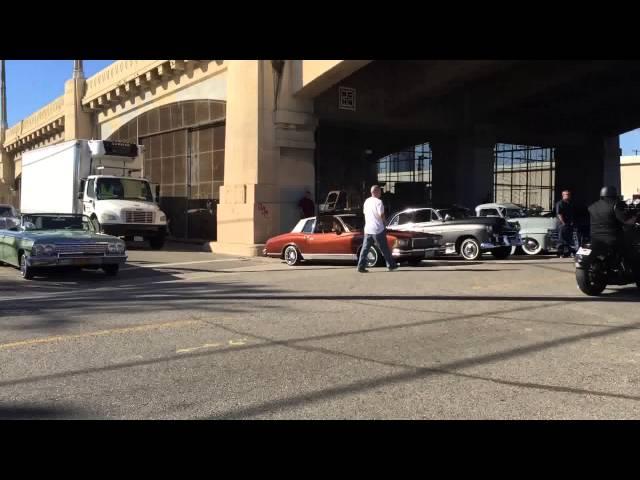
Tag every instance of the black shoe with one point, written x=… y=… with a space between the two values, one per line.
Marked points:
x=395 y=267
x=363 y=270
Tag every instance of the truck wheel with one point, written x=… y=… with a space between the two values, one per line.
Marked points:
x=470 y=249
x=25 y=271
x=156 y=243
x=111 y=270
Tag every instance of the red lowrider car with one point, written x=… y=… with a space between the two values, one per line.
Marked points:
x=339 y=237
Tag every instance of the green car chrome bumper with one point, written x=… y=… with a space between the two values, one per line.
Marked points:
x=75 y=260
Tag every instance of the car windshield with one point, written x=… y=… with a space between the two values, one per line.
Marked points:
x=514 y=213
x=353 y=222
x=454 y=213
x=6 y=211
x=123 y=189
x=55 y=222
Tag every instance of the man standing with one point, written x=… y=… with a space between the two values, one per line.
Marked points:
x=374 y=231
x=307 y=207
x=566 y=218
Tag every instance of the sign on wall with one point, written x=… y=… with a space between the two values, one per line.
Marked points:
x=347 y=98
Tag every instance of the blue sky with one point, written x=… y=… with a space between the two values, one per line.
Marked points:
x=31 y=84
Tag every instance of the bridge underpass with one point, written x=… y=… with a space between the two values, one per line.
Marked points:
x=463 y=109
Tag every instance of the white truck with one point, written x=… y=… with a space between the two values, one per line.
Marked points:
x=94 y=178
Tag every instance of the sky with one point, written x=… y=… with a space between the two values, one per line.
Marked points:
x=31 y=84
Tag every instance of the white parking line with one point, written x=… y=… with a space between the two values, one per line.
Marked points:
x=160 y=265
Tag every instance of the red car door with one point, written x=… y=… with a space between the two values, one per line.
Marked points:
x=329 y=240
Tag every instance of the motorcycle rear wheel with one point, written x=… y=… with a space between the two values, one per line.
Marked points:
x=589 y=283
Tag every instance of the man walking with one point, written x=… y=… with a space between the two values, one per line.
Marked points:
x=374 y=231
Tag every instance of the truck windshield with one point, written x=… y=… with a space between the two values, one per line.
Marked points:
x=123 y=189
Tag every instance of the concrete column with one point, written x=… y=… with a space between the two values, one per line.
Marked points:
x=611 y=162
x=587 y=168
x=269 y=150
x=78 y=124
x=6 y=164
x=462 y=171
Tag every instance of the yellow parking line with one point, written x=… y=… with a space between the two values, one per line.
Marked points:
x=60 y=338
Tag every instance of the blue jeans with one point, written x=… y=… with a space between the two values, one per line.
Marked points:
x=380 y=240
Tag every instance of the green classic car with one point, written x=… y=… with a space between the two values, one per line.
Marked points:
x=47 y=240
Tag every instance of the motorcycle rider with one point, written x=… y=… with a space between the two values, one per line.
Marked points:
x=608 y=215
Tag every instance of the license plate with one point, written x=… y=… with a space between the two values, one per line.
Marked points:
x=584 y=251
x=138 y=239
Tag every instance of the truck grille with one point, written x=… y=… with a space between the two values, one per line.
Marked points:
x=81 y=248
x=132 y=216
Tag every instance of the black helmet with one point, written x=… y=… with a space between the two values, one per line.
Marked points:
x=608 y=192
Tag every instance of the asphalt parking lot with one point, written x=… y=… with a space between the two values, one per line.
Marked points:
x=187 y=334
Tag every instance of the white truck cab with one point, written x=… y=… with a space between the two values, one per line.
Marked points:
x=98 y=178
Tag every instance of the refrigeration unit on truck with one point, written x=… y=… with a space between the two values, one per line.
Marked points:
x=98 y=178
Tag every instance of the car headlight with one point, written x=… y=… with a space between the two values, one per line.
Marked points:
x=489 y=229
x=163 y=218
x=43 y=250
x=108 y=217
x=115 y=248
x=404 y=243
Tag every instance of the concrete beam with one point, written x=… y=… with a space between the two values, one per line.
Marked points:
x=316 y=82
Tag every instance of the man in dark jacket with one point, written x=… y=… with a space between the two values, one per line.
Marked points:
x=565 y=214
x=608 y=216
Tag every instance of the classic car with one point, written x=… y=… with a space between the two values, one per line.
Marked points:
x=462 y=233
x=59 y=240
x=8 y=216
x=340 y=237
x=535 y=232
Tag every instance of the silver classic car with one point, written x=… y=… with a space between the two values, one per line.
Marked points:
x=43 y=241
x=462 y=233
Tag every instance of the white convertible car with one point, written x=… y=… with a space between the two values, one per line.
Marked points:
x=537 y=233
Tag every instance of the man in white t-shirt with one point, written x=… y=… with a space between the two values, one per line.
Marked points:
x=374 y=231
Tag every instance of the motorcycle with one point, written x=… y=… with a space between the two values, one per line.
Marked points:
x=597 y=267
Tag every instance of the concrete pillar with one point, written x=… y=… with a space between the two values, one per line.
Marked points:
x=6 y=164
x=269 y=149
x=78 y=124
x=587 y=168
x=462 y=171
x=611 y=162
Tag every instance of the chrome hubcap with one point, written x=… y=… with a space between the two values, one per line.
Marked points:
x=291 y=255
x=530 y=245
x=469 y=249
x=372 y=258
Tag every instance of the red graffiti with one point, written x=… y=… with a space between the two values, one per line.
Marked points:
x=263 y=210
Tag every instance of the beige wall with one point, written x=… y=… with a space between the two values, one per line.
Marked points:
x=206 y=84
x=630 y=175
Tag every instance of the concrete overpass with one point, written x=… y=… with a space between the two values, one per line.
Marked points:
x=249 y=136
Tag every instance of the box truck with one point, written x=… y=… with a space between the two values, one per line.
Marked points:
x=98 y=178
